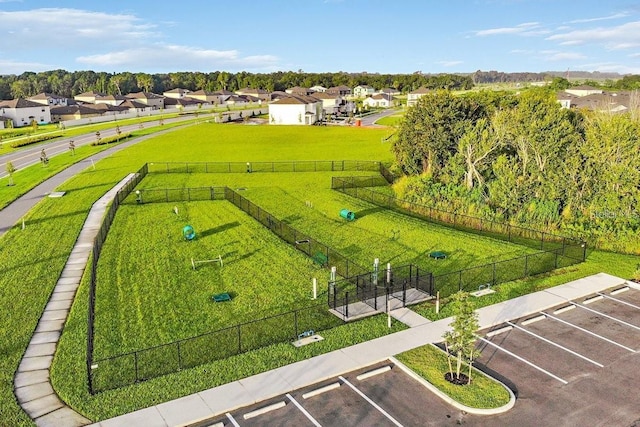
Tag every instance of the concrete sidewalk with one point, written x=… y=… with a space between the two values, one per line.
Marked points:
x=247 y=391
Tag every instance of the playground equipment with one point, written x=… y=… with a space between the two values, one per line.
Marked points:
x=188 y=232
x=224 y=296
x=438 y=255
x=347 y=214
x=194 y=263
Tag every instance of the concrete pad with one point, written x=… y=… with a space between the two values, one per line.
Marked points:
x=35 y=363
x=73 y=260
x=64 y=416
x=71 y=287
x=35 y=350
x=62 y=296
x=50 y=325
x=66 y=281
x=44 y=405
x=517 y=307
x=185 y=410
x=265 y=385
x=23 y=379
x=226 y=397
x=33 y=392
x=586 y=286
x=59 y=305
x=73 y=268
x=45 y=337
x=54 y=315
x=409 y=317
x=319 y=368
x=148 y=417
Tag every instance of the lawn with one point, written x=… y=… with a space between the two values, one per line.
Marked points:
x=31 y=261
x=148 y=293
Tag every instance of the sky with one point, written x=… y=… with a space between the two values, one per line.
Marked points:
x=375 y=36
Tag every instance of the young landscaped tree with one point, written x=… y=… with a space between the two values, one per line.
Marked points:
x=461 y=339
x=10 y=170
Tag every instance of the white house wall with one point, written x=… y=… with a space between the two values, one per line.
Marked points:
x=287 y=114
x=23 y=116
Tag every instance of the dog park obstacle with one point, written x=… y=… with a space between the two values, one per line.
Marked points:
x=195 y=263
x=438 y=255
x=188 y=232
x=347 y=214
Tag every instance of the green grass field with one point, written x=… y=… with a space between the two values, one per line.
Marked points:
x=31 y=261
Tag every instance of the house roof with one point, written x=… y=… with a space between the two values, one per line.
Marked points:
x=73 y=109
x=90 y=94
x=340 y=88
x=203 y=92
x=144 y=95
x=381 y=96
x=251 y=90
x=130 y=103
x=296 y=100
x=223 y=92
x=365 y=86
x=324 y=95
x=584 y=87
x=181 y=101
x=45 y=96
x=20 y=103
x=389 y=90
x=420 y=90
x=177 y=90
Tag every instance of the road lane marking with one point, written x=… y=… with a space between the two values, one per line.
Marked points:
x=589 y=332
x=304 y=411
x=534 y=366
x=548 y=341
x=374 y=404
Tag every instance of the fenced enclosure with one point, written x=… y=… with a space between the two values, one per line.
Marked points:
x=360 y=187
x=141 y=365
x=257 y=167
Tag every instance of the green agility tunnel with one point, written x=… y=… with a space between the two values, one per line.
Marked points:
x=347 y=214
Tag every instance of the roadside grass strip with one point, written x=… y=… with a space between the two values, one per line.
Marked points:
x=533 y=365
x=600 y=365
x=628 y=304
x=304 y=411
x=588 y=332
x=615 y=319
x=374 y=404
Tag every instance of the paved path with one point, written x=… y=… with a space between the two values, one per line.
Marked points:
x=247 y=391
x=32 y=385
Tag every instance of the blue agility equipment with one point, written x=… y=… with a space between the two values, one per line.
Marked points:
x=188 y=232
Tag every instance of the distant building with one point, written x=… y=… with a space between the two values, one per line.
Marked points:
x=413 y=97
x=176 y=93
x=261 y=94
x=318 y=88
x=156 y=102
x=584 y=90
x=89 y=97
x=50 y=99
x=339 y=90
x=362 y=91
x=295 y=110
x=379 y=101
x=297 y=90
x=23 y=112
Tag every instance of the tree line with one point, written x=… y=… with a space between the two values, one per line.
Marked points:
x=523 y=159
x=68 y=84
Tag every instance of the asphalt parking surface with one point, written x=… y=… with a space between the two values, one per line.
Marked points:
x=572 y=365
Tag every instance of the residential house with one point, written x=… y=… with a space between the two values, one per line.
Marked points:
x=330 y=103
x=389 y=91
x=414 y=96
x=261 y=94
x=611 y=102
x=237 y=100
x=205 y=96
x=584 y=90
x=297 y=90
x=278 y=94
x=89 y=97
x=114 y=100
x=181 y=103
x=50 y=99
x=318 y=88
x=222 y=95
x=135 y=106
x=23 y=112
x=176 y=93
x=380 y=100
x=339 y=90
x=565 y=99
x=72 y=112
x=362 y=91
x=295 y=110
x=155 y=101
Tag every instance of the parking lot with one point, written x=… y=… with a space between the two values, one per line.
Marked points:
x=575 y=364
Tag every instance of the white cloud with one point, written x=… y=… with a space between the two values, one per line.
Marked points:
x=173 y=57
x=625 y=36
x=518 y=29
x=610 y=67
x=449 y=63
x=553 y=55
x=60 y=28
x=602 y=18
x=9 y=66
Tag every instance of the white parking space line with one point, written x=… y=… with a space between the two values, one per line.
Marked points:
x=534 y=366
x=589 y=332
x=374 y=404
x=620 y=301
x=548 y=341
x=233 y=421
x=607 y=316
x=304 y=411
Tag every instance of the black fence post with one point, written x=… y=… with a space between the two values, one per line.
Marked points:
x=375 y=298
x=135 y=363
x=239 y=340
x=346 y=305
x=179 y=357
x=460 y=281
x=556 y=261
x=295 y=323
x=493 y=281
x=542 y=241
x=526 y=265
